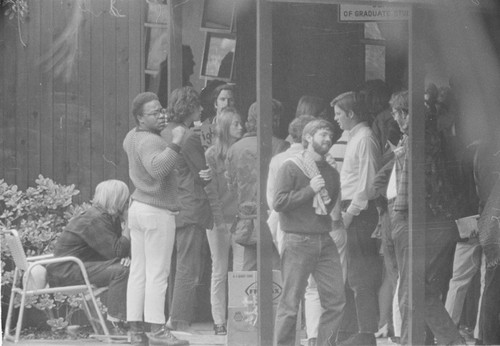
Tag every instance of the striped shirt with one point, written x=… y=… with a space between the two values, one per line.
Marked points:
x=337 y=151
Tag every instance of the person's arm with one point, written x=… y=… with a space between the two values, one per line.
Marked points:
x=285 y=197
x=212 y=188
x=271 y=183
x=231 y=171
x=382 y=177
x=192 y=151
x=158 y=162
x=104 y=236
x=369 y=154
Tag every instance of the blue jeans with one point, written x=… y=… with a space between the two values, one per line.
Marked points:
x=439 y=242
x=304 y=255
x=190 y=241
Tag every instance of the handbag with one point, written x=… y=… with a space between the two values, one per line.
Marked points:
x=243 y=230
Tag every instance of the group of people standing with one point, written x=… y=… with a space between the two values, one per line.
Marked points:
x=330 y=197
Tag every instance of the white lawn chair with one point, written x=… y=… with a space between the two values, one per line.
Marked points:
x=25 y=266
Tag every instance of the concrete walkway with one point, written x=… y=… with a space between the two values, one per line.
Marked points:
x=201 y=334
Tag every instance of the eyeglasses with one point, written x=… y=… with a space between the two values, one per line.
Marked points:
x=157 y=113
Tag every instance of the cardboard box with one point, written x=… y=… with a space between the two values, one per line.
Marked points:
x=243 y=287
x=242 y=320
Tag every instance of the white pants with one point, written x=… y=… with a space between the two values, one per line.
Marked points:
x=396 y=314
x=152 y=234
x=313 y=308
x=220 y=241
x=469 y=258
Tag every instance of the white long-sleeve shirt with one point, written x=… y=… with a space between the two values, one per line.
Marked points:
x=361 y=163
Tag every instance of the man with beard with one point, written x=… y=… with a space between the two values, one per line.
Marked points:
x=307 y=189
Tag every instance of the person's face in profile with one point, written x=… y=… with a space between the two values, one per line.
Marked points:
x=225 y=99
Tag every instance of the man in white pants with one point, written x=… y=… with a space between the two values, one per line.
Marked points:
x=151 y=219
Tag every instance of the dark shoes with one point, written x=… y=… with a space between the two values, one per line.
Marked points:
x=220 y=329
x=163 y=337
x=138 y=338
x=360 y=339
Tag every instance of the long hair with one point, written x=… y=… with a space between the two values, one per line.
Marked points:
x=182 y=103
x=111 y=195
x=311 y=105
x=223 y=139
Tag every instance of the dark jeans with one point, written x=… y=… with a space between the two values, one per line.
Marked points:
x=250 y=258
x=189 y=242
x=115 y=276
x=101 y=274
x=440 y=241
x=303 y=255
x=364 y=268
x=490 y=308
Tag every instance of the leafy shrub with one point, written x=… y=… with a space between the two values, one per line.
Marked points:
x=39 y=214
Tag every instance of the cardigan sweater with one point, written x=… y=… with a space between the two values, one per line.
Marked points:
x=152 y=168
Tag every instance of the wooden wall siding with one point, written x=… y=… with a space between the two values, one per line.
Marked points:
x=71 y=131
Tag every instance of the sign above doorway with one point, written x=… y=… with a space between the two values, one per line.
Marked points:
x=373 y=13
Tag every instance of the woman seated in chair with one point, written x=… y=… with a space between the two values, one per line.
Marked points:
x=96 y=237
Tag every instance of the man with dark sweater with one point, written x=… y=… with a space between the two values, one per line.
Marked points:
x=195 y=215
x=307 y=190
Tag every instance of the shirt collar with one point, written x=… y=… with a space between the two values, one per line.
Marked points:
x=352 y=132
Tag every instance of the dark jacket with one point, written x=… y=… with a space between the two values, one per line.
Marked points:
x=93 y=236
x=192 y=198
x=293 y=199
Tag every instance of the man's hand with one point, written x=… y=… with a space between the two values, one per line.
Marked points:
x=347 y=218
x=206 y=174
x=178 y=134
x=125 y=262
x=317 y=183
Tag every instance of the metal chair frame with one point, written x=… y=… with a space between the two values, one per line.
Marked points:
x=26 y=265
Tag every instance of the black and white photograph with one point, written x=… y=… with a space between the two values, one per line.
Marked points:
x=250 y=172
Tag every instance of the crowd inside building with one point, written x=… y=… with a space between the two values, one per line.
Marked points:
x=338 y=199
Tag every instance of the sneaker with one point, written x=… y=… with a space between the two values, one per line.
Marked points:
x=360 y=339
x=220 y=329
x=312 y=342
x=163 y=337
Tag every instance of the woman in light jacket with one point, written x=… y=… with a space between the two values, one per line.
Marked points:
x=224 y=209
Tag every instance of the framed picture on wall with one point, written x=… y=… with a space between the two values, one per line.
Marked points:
x=218 y=56
x=218 y=16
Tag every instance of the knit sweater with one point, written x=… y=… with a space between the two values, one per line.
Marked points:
x=152 y=168
x=293 y=199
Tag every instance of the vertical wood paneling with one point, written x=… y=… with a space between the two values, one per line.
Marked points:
x=84 y=103
x=72 y=159
x=109 y=110
x=97 y=92
x=59 y=120
x=71 y=131
x=122 y=85
x=34 y=92
x=46 y=106
x=21 y=168
x=9 y=105
x=2 y=97
x=135 y=52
